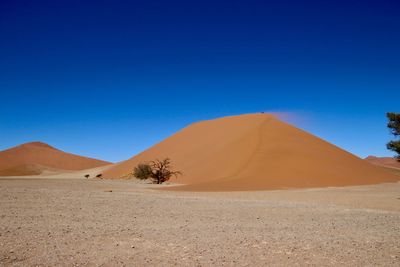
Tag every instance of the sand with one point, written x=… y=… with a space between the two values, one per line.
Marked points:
x=75 y=222
x=255 y=152
x=59 y=218
x=384 y=161
x=37 y=158
x=29 y=169
x=62 y=174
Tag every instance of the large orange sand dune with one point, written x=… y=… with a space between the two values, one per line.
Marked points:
x=36 y=157
x=255 y=152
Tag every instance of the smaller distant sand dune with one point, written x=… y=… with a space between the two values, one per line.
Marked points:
x=384 y=161
x=37 y=158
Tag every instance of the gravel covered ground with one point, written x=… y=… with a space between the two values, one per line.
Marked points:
x=68 y=222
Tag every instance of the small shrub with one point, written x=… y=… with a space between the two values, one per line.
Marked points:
x=87 y=176
x=99 y=175
x=159 y=171
x=142 y=171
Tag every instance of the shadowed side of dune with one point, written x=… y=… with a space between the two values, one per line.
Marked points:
x=256 y=152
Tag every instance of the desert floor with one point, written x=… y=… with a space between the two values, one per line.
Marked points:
x=48 y=222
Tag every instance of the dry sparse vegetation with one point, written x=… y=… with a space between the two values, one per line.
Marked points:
x=159 y=171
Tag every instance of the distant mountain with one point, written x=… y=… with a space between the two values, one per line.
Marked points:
x=255 y=152
x=384 y=161
x=36 y=157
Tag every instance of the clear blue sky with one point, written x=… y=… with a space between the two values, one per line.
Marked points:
x=108 y=79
